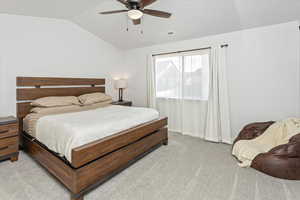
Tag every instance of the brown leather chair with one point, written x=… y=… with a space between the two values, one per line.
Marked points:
x=282 y=161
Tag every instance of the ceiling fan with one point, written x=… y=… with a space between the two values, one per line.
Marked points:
x=136 y=10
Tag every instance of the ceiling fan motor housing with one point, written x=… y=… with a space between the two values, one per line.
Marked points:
x=134 y=4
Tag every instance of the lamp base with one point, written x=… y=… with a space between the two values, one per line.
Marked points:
x=120 y=94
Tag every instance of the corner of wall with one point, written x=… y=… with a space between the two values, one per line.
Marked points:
x=79 y=26
x=298 y=113
x=1 y=88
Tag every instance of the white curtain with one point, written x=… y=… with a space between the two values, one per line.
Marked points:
x=151 y=100
x=218 y=127
x=182 y=87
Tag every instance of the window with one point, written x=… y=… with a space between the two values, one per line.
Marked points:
x=183 y=76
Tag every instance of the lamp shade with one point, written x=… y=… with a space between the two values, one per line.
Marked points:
x=121 y=83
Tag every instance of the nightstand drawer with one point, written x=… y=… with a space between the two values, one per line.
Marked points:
x=9 y=145
x=8 y=130
x=9 y=150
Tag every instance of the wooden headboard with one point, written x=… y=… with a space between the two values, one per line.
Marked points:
x=31 y=88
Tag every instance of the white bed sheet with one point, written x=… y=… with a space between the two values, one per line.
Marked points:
x=63 y=132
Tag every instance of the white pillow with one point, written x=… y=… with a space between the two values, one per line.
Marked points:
x=53 y=110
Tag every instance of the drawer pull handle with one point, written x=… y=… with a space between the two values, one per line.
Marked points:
x=3 y=148
x=2 y=132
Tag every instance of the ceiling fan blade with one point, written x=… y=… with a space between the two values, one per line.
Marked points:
x=145 y=3
x=113 y=12
x=136 y=21
x=157 y=13
x=123 y=2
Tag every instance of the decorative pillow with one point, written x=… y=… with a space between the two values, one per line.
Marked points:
x=98 y=105
x=55 y=101
x=88 y=99
x=53 y=110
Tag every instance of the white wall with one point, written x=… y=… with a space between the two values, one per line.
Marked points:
x=263 y=71
x=31 y=46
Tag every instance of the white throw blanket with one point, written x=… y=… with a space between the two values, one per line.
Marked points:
x=277 y=134
x=63 y=132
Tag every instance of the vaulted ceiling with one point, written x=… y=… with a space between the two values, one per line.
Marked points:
x=191 y=18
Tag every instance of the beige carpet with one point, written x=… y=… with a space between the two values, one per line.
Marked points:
x=186 y=169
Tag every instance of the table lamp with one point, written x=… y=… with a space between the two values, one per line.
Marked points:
x=121 y=84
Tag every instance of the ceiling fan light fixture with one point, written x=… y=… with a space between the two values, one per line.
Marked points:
x=135 y=14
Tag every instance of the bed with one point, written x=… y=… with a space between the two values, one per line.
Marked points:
x=95 y=162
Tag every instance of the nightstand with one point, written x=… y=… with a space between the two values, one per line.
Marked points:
x=9 y=138
x=122 y=103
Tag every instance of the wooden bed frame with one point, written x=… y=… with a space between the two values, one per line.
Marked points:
x=93 y=163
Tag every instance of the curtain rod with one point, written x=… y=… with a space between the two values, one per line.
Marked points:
x=161 y=54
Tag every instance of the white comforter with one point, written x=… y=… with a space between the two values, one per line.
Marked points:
x=63 y=132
